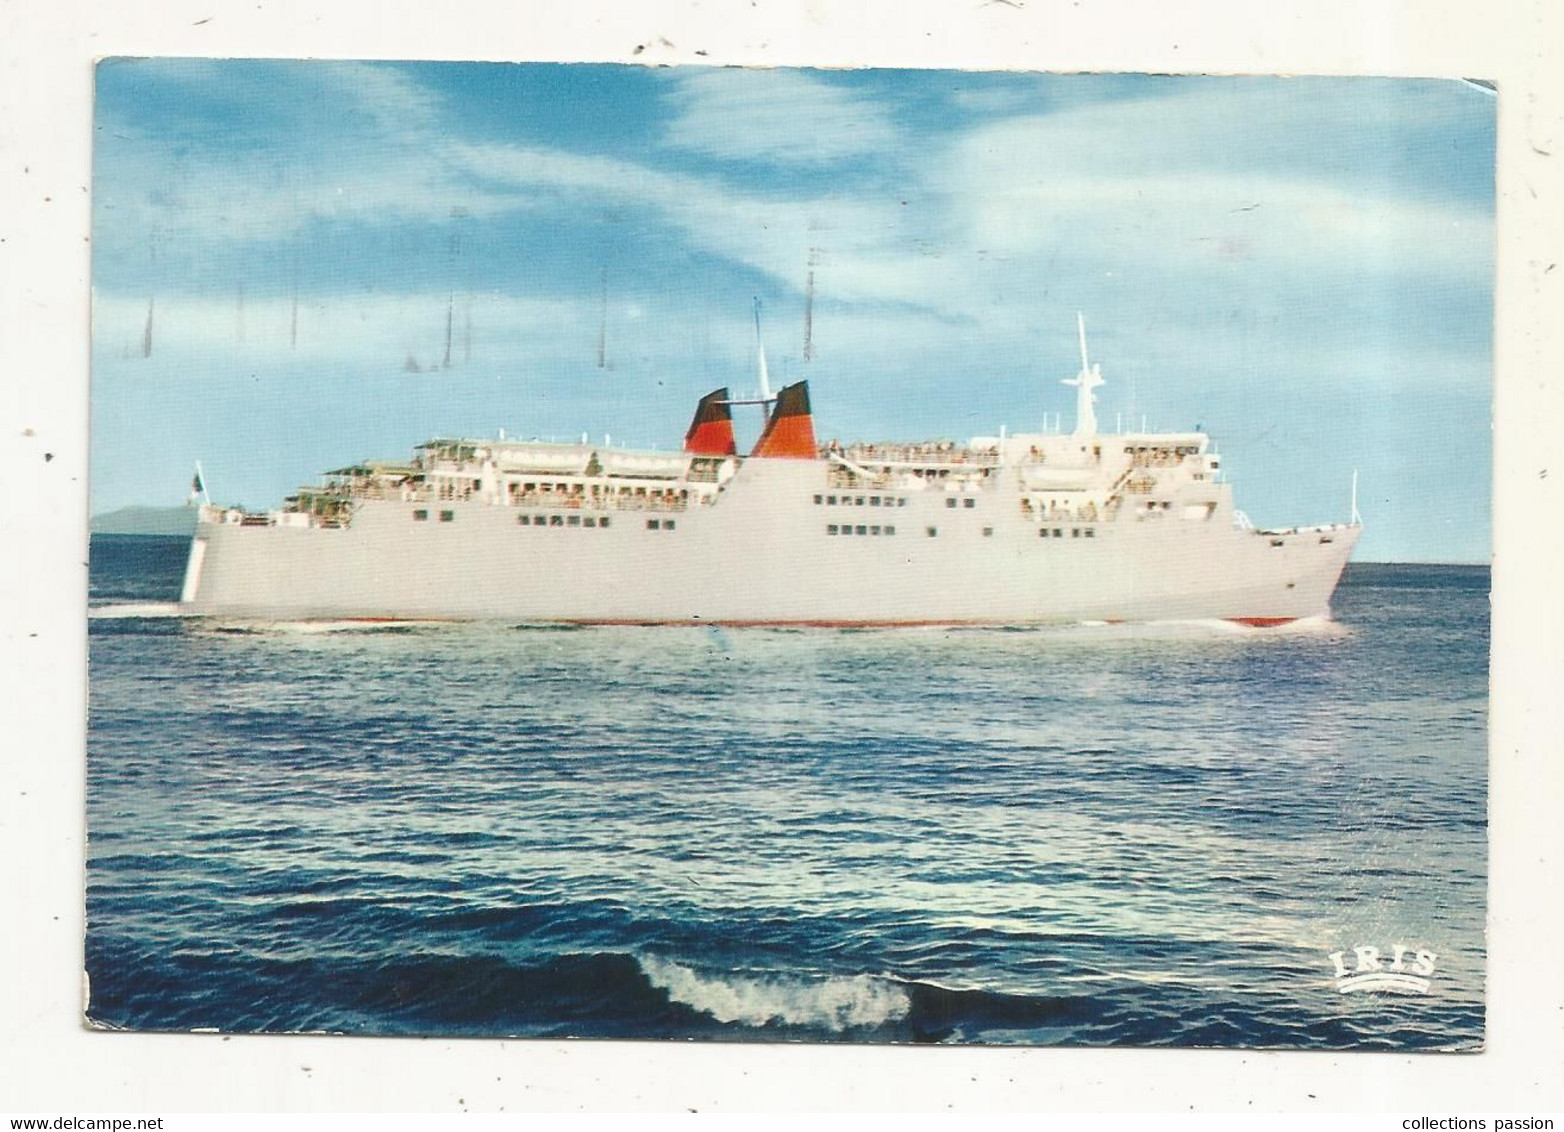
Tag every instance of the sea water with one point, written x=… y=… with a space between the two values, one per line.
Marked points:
x=1092 y=834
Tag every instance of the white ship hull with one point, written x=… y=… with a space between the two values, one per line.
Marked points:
x=760 y=554
x=1015 y=530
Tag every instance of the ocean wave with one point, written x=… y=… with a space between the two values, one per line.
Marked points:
x=836 y=1003
x=608 y=994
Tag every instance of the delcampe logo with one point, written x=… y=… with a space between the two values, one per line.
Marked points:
x=1405 y=972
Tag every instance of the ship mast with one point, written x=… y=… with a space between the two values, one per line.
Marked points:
x=1088 y=379
x=760 y=355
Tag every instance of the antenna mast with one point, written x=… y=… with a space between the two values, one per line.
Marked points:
x=1088 y=379
x=765 y=399
x=760 y=355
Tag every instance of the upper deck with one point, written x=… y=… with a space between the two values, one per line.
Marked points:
x=1048 y=475
x=1086 y=473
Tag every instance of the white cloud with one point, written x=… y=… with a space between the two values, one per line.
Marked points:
x=783 y=116
x=1143 y=193
x=1170 y=183
x=869 y=240
x=385 y=98
x=334 y=141
x=1184 y=218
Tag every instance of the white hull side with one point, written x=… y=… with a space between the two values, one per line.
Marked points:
x=761 y=554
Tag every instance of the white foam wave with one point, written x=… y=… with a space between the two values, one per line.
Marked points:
x=314 y=628
x=137 y=609
x=1195 y=628
x=834 y=1002
x=1320 y=626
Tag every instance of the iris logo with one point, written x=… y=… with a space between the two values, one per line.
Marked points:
x=1405 y=971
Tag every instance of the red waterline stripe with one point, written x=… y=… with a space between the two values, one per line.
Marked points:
x=1253 y=622
x=811 y=624
x=649 y=622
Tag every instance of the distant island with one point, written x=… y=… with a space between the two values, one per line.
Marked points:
x=146 y=521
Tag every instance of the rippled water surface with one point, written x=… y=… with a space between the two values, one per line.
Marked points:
x=1089 y=835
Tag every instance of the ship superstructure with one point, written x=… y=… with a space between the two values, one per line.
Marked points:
x=1012 y=529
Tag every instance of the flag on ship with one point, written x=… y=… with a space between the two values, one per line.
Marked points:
x=197 y=488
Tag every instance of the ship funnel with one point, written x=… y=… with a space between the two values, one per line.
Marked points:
x=790 y=430
x=1088 y=379
x=711 y=432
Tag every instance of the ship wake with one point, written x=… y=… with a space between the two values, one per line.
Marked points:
x=320 y=627
x=139 y=609
x=1319 y=626
x=175 y=611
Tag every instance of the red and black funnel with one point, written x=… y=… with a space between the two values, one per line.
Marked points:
x=711 y=432
x=790 y=432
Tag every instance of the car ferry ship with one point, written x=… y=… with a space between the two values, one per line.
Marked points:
x=1008 y=530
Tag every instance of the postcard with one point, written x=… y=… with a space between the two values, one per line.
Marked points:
x=745 y=555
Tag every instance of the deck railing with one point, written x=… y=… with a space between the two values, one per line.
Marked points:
x=913 y=455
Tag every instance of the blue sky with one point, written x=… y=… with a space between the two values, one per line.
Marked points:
x=1302 y=266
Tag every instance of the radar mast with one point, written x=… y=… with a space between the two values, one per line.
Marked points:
x=760 y=356
x=1088 y=379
